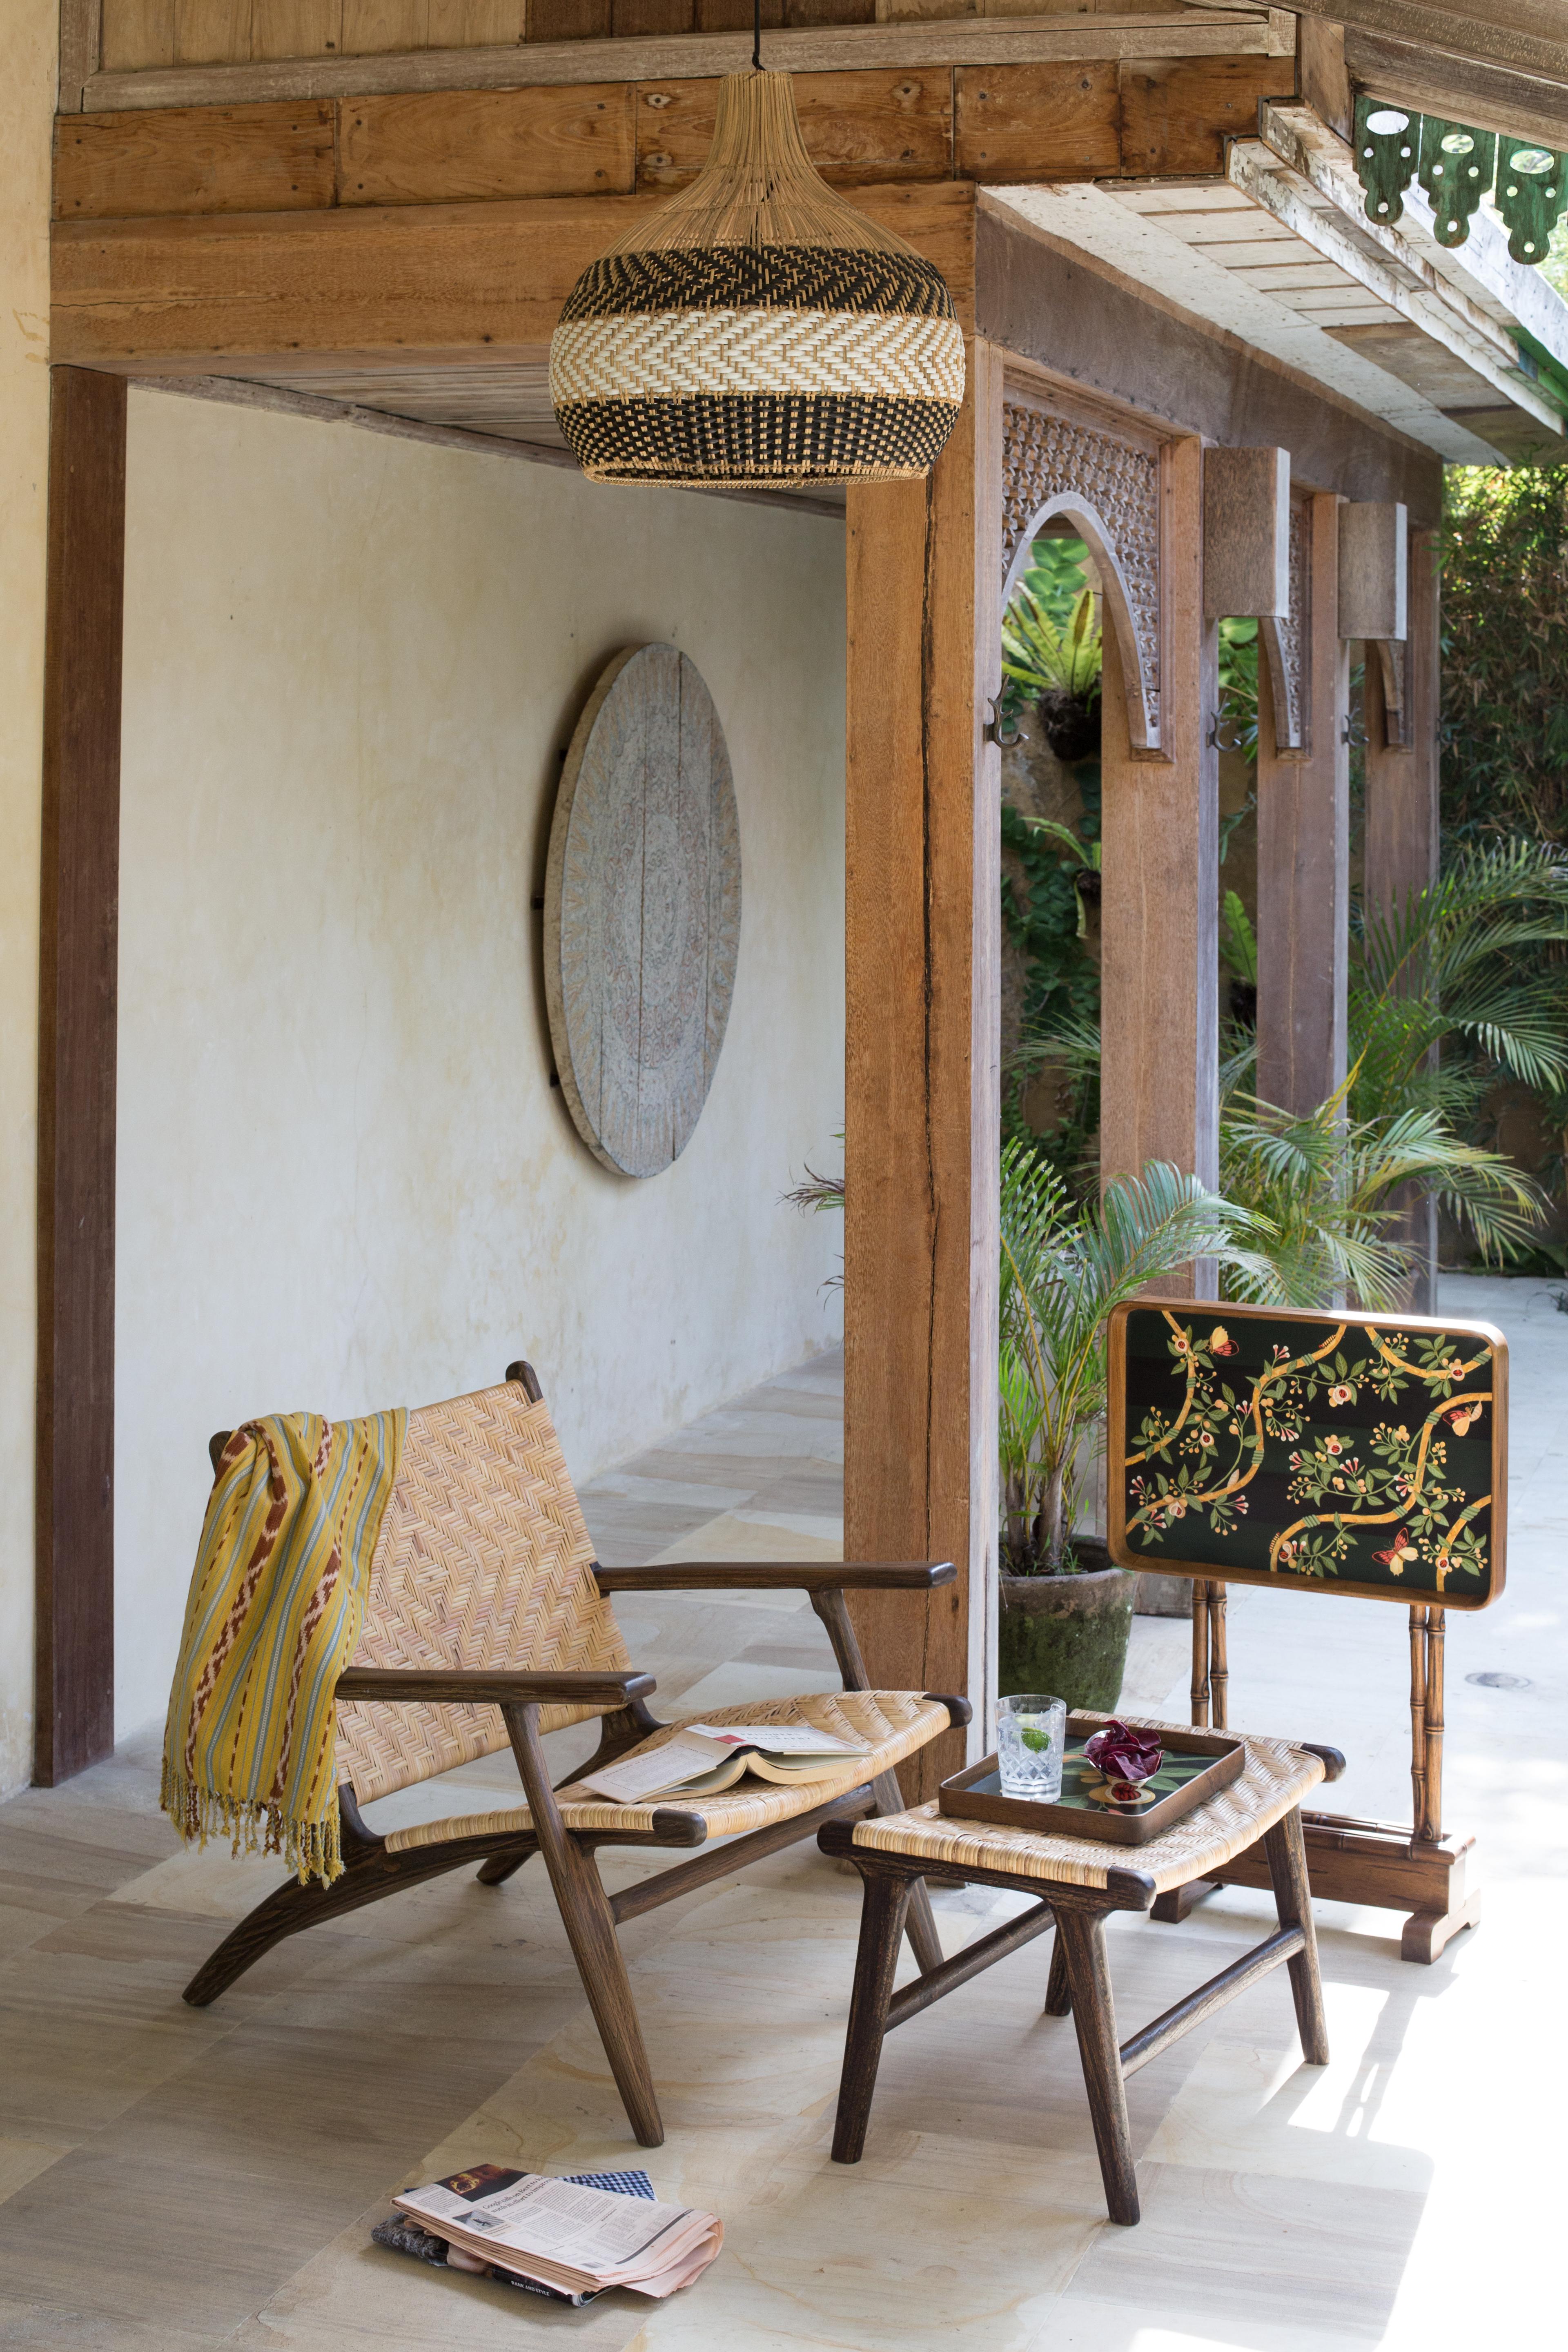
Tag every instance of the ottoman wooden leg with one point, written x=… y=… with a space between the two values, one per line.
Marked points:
x=920 y=1924
x=1094 y=2014
x=1287 y=1854
x=1058 y=1991
x=883 y=1916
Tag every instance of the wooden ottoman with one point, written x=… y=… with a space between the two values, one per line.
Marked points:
x=1080 y=1882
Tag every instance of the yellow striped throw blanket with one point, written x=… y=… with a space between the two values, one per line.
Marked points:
x=277 y=1602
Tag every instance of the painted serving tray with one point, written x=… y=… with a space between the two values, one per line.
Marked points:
x=1356 y=1453
x=1197 y=1764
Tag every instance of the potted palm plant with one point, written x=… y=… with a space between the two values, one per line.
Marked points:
x=1066 y=1613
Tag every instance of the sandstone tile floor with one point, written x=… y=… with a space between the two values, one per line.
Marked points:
x=172 y=2181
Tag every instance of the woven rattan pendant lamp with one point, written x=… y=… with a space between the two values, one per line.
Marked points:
x=757 y=329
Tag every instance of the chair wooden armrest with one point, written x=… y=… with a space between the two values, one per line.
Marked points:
x=781 y=1575
x=481 y=1686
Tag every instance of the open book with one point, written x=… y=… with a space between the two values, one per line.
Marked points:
x=575 y=2239
x=704 y=1758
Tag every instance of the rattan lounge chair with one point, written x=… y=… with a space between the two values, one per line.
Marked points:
x=487 y=1620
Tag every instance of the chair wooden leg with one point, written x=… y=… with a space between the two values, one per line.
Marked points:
x=370 y=1873
x=920 y=1924
x=1287 y=1854
x=883 y=1916
x=1058 y=1990
x=498 y=1868
x=1094 y=2014
x=590 y=1928
x=590 y=1931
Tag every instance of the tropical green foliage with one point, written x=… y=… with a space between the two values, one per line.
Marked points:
x=1043 y=658
x=1049 y=598
x=1238 y=685
x=1237 y=938
x=1063 y=1267
x=1505 y=653
x=1325 y=1192
x=1045 y=918
x=1462 y=991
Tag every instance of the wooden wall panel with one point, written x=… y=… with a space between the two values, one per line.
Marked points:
x=297 y=28
x=632 y=20
x=137 y=35
x=194 y=159
x=1037 y=122
x=463 y=144
x=569 y=20
x=475 y=23
x=372 y=27
x=922 y=1100
x=1159 y=903
x=212 y=32
x=860 y=128
x=78 y=980
x=1303 y=860
x=1178 y=112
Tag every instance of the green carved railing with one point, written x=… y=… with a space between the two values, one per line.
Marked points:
x=1457 y=167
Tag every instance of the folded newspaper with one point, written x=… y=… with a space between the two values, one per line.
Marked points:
x=568 y=2238
x=704 y=1758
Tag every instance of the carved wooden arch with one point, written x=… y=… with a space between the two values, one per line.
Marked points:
x=1286 y=643
x=1109 y=489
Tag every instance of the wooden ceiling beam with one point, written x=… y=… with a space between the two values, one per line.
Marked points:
x=1011 y=123
x=440 y=283
x=979 y=41
x=1461 y=89
x=1527 y=37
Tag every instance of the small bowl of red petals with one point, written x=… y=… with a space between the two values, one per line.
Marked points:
x=1126 y=1758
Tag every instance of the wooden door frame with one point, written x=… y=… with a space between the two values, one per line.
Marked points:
x=77 y=1023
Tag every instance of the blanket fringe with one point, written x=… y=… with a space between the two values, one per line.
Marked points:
x=254 y=1826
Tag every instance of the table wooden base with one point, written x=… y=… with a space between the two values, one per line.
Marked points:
x=1372 y=1863
x=1079 y=1981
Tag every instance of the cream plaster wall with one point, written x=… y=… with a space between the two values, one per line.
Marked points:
x=27 y=110
x=351 y=664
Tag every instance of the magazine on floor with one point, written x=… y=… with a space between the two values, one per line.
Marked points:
x=570 y=2237
x=704 y=1758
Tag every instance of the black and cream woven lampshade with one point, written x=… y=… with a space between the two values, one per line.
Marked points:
x=757 y=329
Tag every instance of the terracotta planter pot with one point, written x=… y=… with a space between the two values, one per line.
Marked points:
x=1067 y=1635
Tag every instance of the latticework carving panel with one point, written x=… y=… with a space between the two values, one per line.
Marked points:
x=1291 y=637
x=1047 y=457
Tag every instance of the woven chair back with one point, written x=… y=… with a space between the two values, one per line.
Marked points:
x=483 y=1559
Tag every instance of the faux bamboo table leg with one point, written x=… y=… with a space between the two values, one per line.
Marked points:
x=1418 y=1714
x=1200 y=1694
x=1219 y=1668
x=1094 y=2014
x=1431 y=1826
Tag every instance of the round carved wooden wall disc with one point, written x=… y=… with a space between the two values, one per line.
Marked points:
x=642 y=910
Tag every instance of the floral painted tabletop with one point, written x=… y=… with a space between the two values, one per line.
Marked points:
x=1261 y=1446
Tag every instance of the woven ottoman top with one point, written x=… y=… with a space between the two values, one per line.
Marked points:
x=1276 y=1777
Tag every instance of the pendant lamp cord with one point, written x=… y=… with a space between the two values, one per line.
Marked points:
x=756 y=36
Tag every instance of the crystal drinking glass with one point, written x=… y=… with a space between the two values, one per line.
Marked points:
x=1031 y=1737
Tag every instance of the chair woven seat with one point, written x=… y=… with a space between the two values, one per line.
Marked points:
x=896 y=1722
x=489 y=1623
x=1273 y=1781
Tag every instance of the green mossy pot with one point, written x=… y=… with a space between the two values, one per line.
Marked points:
x=1067 y=1635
